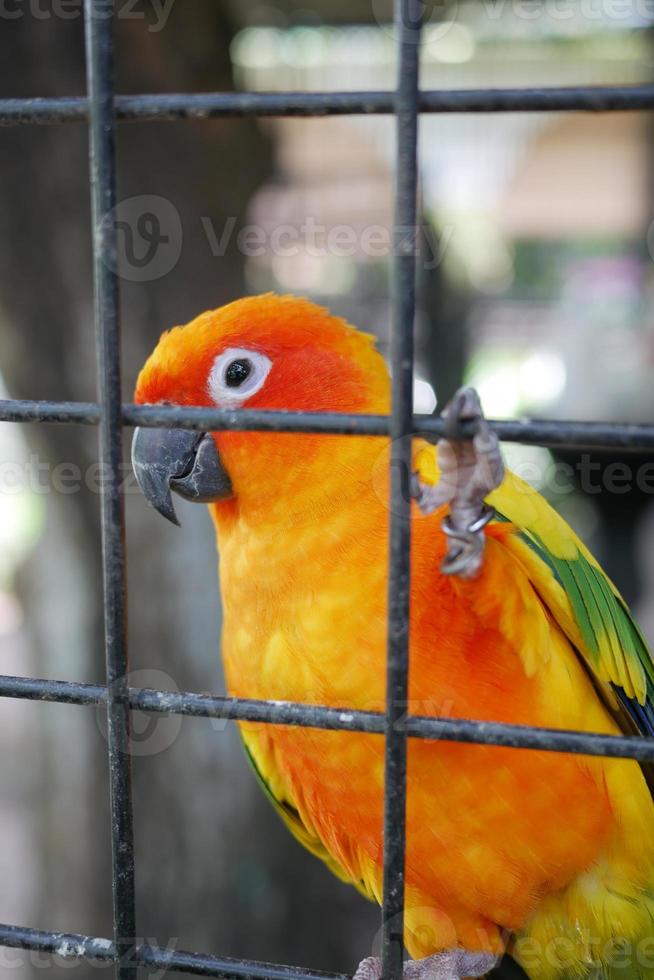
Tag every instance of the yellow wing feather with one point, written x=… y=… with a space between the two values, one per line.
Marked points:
x=580 y=596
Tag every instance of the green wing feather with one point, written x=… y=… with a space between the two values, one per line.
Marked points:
x=583 y=600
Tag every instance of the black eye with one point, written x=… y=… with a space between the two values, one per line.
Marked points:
x=237 y=372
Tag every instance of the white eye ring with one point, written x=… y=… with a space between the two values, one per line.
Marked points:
x=228 y=391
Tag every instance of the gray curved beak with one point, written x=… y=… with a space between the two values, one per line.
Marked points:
x=181 y=460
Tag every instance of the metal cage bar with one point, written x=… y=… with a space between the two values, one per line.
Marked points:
x=103 y=110
x=73 y=946
x=408 y=24
x=194 y=705
x=585 y=435
x=99 y=65
x=216 y=105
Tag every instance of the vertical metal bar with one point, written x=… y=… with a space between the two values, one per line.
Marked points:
x=408 y=18
x=99 y=66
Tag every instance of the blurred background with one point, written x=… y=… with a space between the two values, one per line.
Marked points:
x=535 y=273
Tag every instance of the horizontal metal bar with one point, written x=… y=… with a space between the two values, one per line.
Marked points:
x=194 y=705
x=72 y=946
x=214 y=105
x=69 y=946
x=25 y=410
x=216 y=419
x=598 y=435
x=59 y=692
x=570 y=434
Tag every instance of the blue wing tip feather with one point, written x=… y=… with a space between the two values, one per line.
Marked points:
x=641 y=714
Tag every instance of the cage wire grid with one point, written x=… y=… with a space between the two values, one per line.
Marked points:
x=102 y=110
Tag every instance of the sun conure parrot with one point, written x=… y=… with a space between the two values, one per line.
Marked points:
x=548 y=855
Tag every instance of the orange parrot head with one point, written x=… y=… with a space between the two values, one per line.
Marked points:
x=264 y=352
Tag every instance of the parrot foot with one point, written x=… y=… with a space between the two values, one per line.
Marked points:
x=451 y=964
x=470 y=470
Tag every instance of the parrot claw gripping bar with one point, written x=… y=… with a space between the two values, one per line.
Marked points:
x=451 y=964
x=470 y=470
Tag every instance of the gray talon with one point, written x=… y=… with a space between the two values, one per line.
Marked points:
x=470 y=470
x=369 y=969
x=451 y=964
